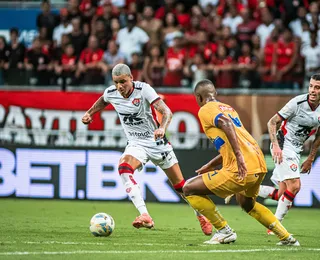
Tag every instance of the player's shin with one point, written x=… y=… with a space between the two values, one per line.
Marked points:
x=132 y=188
x=284 y=204
x=268 y=192
x=205 y=206
x=266 y=218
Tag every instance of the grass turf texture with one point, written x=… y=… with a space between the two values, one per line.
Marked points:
x=51 y=229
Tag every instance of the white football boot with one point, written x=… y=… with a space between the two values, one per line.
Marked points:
x=222 y=238
x=290 y=241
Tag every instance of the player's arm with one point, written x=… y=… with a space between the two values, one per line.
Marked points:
x=210 y=166
x=306 y=166
x=166 y=113
x=272 y=129
x=99 y=105
x=226 y=125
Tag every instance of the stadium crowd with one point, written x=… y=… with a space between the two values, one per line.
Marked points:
x=236 y=43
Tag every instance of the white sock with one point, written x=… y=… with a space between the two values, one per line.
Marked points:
x=226 y=230
x=134 y=192
x=284 y=204
x=266 y=191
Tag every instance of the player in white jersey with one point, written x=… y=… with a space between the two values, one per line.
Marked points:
x=146 y=138
x=300 y=119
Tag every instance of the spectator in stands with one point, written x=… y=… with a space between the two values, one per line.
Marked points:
x=38 y=65
x=183 y=17
x=65 y=27
x=77 y=37
x=233 y=47
x=115 y=28
x=191 y=35
x=206 y=48
x=47 y=19
x=132 y=38
x=136 y=66
x=232 y=19
x=3 y=58
x=286 y=58
x=248 y=27
x=154 y=66
x=215 y=30
x=65 y=69
x=111 y=57
x=296 y=25
x=151 y=25
x=222 y=66
x=89 y=63
x=57 y=52
x=195 y=69
x=313 y=17
x=265 y=28
x=107 y=14
x=102 y=33
x=170 y=29
x=46 y=44
x=268 y=60
x=175 y=58
x=256 y=46
x=247 y=68
x=88 y=10
x=311 y=54
x=225 y=36
x=73 y=9
x=169 y=7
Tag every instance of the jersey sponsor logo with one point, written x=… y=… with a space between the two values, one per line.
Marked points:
x=294 y=167
x=303 y=131
x=225 y=108
x=136 y=102
x=131 y=119
x=290 y=159
x=140 y=135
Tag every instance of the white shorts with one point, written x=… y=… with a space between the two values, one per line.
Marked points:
x=162 y=155
x=289 y=168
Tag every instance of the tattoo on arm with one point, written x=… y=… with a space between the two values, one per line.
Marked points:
x=99 y=105
x=272 y=128
x=315 y=146
x=165 y=111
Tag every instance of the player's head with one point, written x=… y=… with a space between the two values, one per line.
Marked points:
x=121 y=75
x=314 y=88
x=204 y=92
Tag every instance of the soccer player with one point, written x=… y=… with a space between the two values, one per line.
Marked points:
x=243 y=169
x=300 y=119
x=146 y=139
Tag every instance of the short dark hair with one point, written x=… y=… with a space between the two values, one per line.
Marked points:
x=14 y=30
x=203 y=82
x=316 y=77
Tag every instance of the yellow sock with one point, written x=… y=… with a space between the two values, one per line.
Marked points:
x=266 y=218
x=205 y=206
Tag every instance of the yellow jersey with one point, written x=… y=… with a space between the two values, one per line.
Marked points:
x=253 y=156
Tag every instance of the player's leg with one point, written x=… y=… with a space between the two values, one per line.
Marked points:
x=127 y=165
x=195 y=191
x=285 y=201
x=177 y=180
x=247 y=201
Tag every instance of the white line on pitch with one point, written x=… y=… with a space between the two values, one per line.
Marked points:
x=158 y=251
x=84 y=243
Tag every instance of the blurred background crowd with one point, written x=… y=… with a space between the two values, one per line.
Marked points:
x=172 y=43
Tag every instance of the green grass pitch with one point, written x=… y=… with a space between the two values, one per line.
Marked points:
x=52 y=229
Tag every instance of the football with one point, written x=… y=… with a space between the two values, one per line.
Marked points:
x=102 y=225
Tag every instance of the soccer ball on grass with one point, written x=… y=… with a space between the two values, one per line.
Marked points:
x=102 y=225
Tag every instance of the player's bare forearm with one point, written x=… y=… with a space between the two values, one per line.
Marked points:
x=99 y=105
x=166 y=113
x=315 y=147
x=272 y=128
x=216 y=161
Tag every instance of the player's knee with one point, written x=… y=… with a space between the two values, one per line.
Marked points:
x=125 y=168
x=187 y=189
x=294 y=186
x=245 y=203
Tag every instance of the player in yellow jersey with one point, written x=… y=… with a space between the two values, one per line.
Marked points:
x=243 y=169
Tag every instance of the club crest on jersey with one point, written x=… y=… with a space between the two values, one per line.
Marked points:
x=293 y=167
x=136 y=102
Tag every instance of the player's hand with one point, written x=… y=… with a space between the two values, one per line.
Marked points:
x=306 y=166
x=205 y=168
x=242 y=168
x=159 y=133
x=276 y=154
x=87 y=119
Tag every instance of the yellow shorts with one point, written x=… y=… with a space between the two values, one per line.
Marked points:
x=224 y=183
